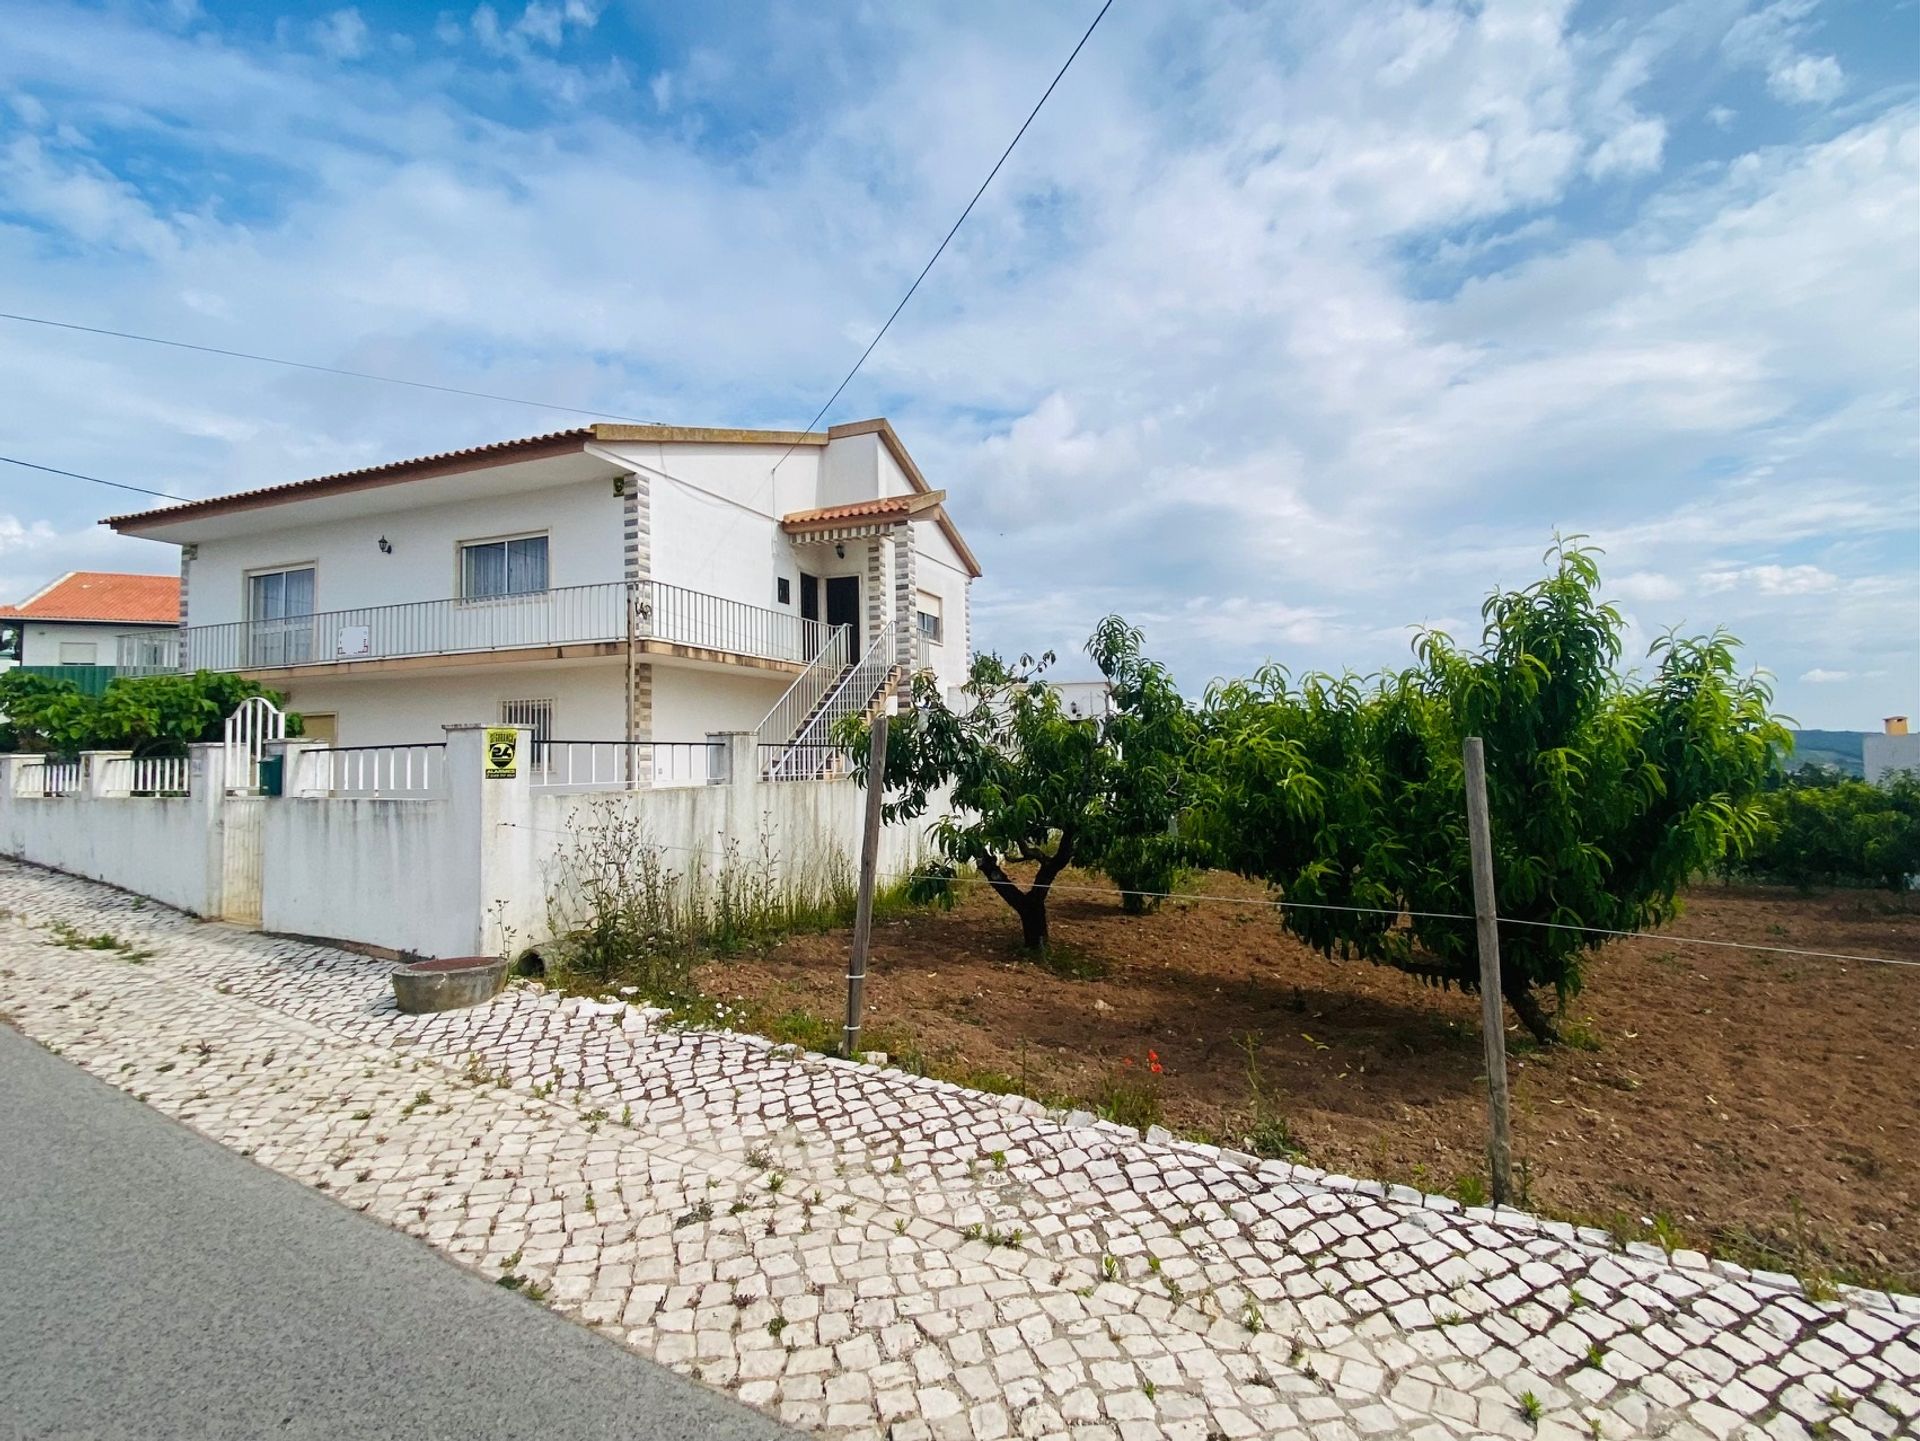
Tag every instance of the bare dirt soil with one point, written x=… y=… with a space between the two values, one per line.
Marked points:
x=1769 y=1105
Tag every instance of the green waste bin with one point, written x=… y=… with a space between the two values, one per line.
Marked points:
x=272 y=773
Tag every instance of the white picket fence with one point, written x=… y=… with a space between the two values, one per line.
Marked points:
x=149 y=775
x=46 y=777
x=623 y=765
x=373 y=772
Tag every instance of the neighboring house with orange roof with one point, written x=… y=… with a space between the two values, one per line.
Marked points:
x=95 y=618
x=631 y=583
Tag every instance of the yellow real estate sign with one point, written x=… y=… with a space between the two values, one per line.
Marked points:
x=503 y=753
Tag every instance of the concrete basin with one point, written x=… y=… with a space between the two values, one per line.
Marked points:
x=448 y=983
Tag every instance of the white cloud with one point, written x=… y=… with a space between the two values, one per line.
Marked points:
x=23 y=535
x=342 y=35
x=1634 y=149
x=1770 y=39
x=1775 y=580
x=1181 y=349
x=1808 y=79
x=1818 y=676
x=1645 y=586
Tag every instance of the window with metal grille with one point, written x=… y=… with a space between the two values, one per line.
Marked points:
x=491 y=568
x=537 y=714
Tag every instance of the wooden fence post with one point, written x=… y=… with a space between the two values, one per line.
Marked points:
x=1492 y=1018
x=869 y=865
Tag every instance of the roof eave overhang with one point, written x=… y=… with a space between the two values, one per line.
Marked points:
x=144 y=523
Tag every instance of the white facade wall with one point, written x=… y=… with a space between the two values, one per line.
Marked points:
x=589 y=700
x=714 y=514
x=350 y=570
x=1882 y=755
x=690 y=705
x=938 y=570
x=588 y=697
x=42 y=640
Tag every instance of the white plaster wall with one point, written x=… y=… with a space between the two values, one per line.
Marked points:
x=849 y=471
x=159 y=847
x=1882 y=755
x=891 y=479
x=807 y=827
x=716 y=547
x=382 y=872
x=938 y=569
x=583 y=521
x=43 y=640
x=690 y=705
x=715 y=530
x=589 y=700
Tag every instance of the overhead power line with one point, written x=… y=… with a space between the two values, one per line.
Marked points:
x=350 y=374
x=76 y=475
x=320 y=369
x=940 y=249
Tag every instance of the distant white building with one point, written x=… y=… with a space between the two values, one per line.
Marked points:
x=1085 y=698
x=1894 y=749
x=102 y=619
x=611 y=582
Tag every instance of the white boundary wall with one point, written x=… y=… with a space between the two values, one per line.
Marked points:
x=169 y=847
x=463 y=872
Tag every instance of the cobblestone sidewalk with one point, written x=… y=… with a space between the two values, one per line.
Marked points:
x=874 y=1254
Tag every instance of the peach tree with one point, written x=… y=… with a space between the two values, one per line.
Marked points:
x=1607 y=792
x=1024 y=780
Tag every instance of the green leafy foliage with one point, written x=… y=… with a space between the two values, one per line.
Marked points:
x=1032 y=783
x=1606 y=793
x=1826 y=830
x=149 y=715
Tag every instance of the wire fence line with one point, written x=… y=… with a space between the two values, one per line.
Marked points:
x=1280 y=904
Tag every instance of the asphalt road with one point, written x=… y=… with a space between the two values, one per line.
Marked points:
x=154 y=1285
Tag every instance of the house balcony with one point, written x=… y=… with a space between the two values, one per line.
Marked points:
x=654 y=620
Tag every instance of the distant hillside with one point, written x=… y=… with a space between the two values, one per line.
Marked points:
x=1840 y=749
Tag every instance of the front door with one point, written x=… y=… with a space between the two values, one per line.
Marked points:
x=843 y=607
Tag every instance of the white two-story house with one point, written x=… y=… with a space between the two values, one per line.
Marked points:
x=611 y=583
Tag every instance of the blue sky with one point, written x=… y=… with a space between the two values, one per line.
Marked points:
x=1287 y=327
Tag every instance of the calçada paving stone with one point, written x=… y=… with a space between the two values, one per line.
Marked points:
x=864 y=1252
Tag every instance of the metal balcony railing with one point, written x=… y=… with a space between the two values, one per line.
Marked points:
x=147 y=653
x=571 y=615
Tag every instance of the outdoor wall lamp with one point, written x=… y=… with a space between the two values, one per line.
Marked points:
x=840 y=549
x=386 y=546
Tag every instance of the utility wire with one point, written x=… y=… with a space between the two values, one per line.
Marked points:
x=1281 y=905
x=320 y=369
x=522 y=400
x=76 y=475
x=941 y=248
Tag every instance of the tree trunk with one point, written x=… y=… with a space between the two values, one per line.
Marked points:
x=1032 y=910
x=1031 y=904
x=1527 y=1007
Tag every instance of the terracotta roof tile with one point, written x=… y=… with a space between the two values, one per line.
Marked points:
x=885 y=507
x=103 y=595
